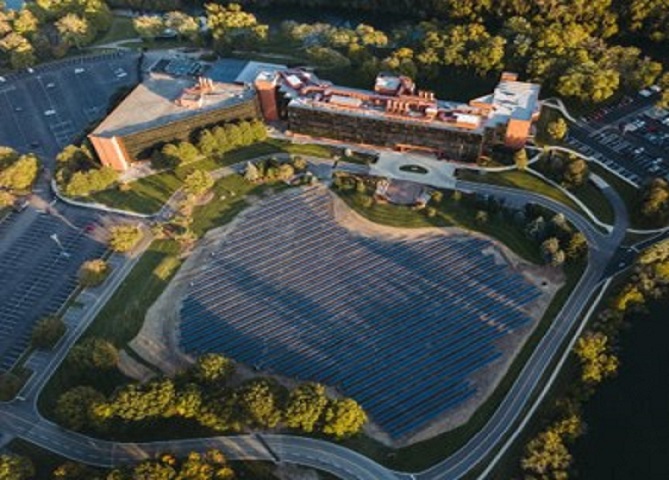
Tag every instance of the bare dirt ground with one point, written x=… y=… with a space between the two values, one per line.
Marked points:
x=158 y=341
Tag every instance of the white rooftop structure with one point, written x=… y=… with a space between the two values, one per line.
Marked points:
x=252 y=70
x=512 y=99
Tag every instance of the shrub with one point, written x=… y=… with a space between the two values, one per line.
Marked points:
x=47 y=332
x=123 y=238
x=93 y=272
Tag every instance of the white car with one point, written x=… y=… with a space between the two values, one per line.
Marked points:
x=48 y=113
x=79 y=70
x=3 y=79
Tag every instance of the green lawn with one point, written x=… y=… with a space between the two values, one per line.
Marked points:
x=596 y=201
x=121 y=29
x=629 y=194
x=229 y=199
x=145 y=195
x=122 y=317
x=588 y=193
x=521 y=180
x=148 y=194
x=450 y=213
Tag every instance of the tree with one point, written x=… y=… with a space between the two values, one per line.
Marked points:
x=198 y=182
x=547 y=456
x=76 y=471
x=148 y=27
x=21 y=174
x=10 y=384
x=575 y=172
x=26 y=24
x=481 y=217
x=663 y=83
x=655 y=202
x=259 y=403
x=251 y=173
x=135 y=402
x=123 y=238
x=213 y=368
x=305 y=406
x=344 y=418
x=187 y=153
x=207 y=143
x=230 y=25
x=285 y=172
x=47 y=332
x=93 y=272
x=75 y=30
x=577 y=246
x=597 y=361
x=184 y=25
x=74 y=408
x=557 y=129
x=520 y=159
x=82 y=184
x=93 y=355
x=15 y=467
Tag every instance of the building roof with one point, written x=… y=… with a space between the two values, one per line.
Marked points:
x=512 y=100
x=153 y=103
x=252 y=69
x=226 y=70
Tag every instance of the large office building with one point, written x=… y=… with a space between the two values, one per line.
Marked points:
x=399 y=116
x=180 y=98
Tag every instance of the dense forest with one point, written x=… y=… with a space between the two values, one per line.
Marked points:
x=586 y=51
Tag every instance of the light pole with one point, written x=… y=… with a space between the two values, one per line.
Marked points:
x=64 y=253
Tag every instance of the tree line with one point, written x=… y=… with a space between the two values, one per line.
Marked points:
x=203 y=394
x=210 y=465
x=210 y=142
x=596 y=353
x=565 y=45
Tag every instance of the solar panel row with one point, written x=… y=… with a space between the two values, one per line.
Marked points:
x=401 y=325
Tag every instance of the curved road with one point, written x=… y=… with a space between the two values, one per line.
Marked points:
x=20 y=418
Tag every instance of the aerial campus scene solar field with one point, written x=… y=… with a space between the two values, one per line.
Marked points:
x=287 y=241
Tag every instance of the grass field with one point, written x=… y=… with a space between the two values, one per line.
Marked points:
x=629 y=194
x=121 y=29
x=146 y=195
x=521 y=180
x=450 y=213
x=588 y=193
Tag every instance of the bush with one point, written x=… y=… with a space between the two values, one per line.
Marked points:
x=47 y=332
x=93 y=272
x=82 y=184
x=123 y=238
x=21 y=174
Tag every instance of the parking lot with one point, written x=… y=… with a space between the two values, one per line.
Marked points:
x=630 y=137
x=45 y=109
x=38 y=272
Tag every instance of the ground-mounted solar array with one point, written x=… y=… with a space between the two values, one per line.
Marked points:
x=399 y=325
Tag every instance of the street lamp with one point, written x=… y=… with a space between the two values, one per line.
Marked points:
x=54 y=237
